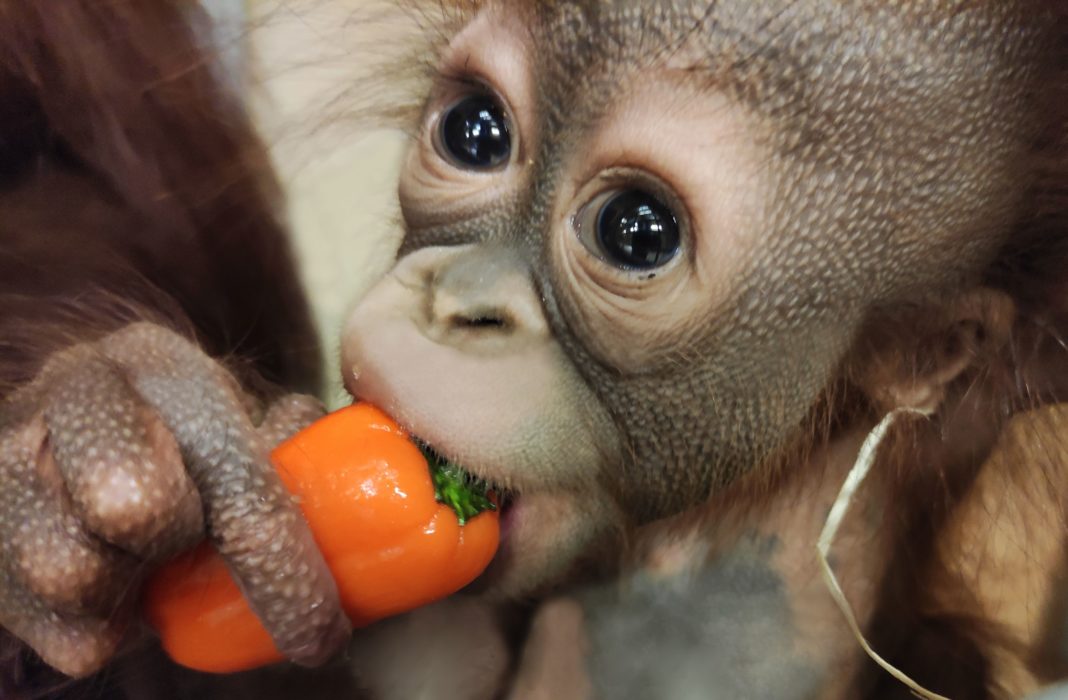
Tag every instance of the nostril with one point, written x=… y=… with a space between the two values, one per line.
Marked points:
x=482 y=321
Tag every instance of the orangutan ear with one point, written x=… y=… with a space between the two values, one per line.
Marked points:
x=934 y=347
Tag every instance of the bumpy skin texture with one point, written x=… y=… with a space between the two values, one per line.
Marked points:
x=124 y=452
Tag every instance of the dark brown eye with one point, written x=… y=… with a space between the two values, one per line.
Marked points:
x=474 y=133
x=637 y=231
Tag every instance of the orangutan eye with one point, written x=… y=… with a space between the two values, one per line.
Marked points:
x=474 y=133
x=630 y=229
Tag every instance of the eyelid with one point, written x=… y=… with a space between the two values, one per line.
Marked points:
x=462 y=81
x=623 y=176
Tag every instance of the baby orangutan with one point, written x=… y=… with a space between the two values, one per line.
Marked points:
x=665 y=266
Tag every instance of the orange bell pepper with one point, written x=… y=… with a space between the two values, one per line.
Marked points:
x=396 y=532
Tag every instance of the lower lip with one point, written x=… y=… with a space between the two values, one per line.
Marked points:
x=506 y=520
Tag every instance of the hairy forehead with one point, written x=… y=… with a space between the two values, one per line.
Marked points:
x=773 y=43
x=846 y=87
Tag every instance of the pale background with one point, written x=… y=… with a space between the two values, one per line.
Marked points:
x=294 y=60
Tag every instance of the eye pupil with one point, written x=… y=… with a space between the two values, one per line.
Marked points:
x=474 y=133
x=635 y=230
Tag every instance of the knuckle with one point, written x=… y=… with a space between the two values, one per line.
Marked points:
x=143 y=332
x=145 y=506
x=66 y=578
x=57 y=563
x=76 y=651
x=121 y=505
x=143 y=342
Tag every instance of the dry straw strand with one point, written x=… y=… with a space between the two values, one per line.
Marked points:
x=856 y=476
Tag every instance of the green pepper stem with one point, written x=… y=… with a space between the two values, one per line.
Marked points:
x=456 y=488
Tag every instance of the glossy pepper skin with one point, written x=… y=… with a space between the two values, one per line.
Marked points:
x=367 y=493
